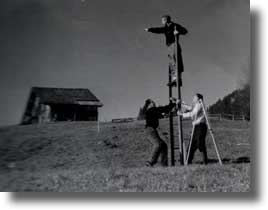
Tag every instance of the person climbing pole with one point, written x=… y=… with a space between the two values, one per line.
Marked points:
x=170 y=30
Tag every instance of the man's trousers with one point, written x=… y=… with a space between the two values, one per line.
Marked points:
x=160 y=148
x=199 y=142
x=172 y=60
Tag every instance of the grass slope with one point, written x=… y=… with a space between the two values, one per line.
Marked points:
x=72 y=156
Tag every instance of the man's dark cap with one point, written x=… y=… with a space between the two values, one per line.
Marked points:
x=147 y=103
x=167 y=17
x=200 y=96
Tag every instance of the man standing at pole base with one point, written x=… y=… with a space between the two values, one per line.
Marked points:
x=198 y=138
x=170 y=30
x=152 y=116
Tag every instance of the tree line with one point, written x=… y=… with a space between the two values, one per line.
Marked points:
x=236 y=103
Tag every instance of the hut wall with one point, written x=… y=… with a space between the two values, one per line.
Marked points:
x=74 y=113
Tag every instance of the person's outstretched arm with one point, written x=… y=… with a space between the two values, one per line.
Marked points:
x=168 y=108
x=193 y=113
x=186 y=106
x=156 y=30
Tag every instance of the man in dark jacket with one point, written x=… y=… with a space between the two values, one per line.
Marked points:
x=152 y=116
x=170 y=30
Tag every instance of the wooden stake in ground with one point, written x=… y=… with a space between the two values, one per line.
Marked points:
x=98 y=125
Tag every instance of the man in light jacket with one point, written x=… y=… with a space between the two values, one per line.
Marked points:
x=197 y=115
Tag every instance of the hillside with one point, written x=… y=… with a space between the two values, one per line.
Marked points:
x=237 y=103
x=75 y=157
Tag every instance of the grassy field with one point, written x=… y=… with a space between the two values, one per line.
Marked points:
x=73 y=156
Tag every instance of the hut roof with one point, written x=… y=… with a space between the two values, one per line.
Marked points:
x=66 y=96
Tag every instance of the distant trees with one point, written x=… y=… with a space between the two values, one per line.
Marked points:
x=237 y=103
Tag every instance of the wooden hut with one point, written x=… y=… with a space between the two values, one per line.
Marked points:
x=60 y=104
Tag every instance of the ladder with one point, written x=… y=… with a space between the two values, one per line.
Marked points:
x=181 y=147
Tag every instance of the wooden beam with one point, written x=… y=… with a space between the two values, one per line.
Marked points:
x=171 y=124
x=179 y=84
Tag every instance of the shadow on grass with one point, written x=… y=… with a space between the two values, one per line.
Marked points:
x=239 y=160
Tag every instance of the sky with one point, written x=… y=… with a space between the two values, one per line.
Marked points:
x=101 y=45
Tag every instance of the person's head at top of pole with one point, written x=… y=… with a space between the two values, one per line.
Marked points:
x=198 y=98
x=166 y=19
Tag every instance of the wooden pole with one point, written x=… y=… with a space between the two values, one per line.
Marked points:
x=171 y=125
x=179 y=84
x=98 y=117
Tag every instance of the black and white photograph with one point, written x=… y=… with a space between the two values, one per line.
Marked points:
x=125 y=96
